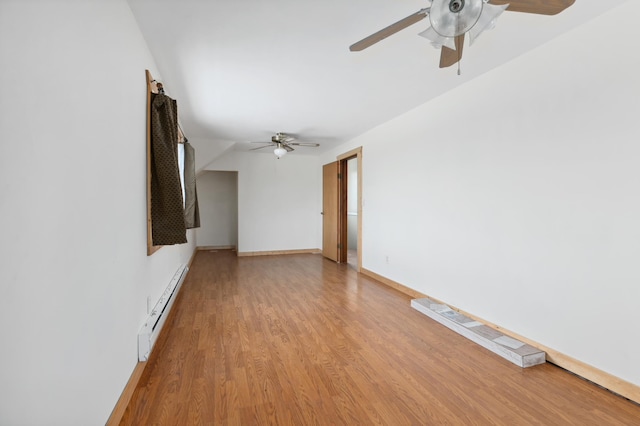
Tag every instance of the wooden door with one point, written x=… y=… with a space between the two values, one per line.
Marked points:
x=330 y=205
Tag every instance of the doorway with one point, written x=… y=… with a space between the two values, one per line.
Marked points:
x=351 y=176
x=218 y=198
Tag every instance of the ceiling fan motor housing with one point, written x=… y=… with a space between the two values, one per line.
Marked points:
x=451 y=18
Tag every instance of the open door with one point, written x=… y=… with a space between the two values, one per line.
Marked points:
x=330 y=209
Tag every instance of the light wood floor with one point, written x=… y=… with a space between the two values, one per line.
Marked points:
x=300 y=340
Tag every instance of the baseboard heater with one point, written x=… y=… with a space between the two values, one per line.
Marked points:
x=151 y=328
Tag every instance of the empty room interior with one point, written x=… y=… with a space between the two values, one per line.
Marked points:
x=364 y=212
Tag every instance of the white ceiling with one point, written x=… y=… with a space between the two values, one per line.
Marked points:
x=242 y=70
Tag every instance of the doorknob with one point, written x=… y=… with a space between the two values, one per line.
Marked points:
x=322 y=213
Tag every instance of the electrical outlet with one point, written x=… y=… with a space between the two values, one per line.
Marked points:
x=387 y=259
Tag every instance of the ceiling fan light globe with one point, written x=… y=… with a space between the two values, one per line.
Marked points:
x=437 y=41
x=451 y=18
x=487 y=20
x=279 y=151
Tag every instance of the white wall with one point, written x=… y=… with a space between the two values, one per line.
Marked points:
x=75 y=275
x=208 y=150
x=279 y=202
x=218 y=200
x=518 y=195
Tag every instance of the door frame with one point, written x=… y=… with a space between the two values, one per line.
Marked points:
x=342 y=213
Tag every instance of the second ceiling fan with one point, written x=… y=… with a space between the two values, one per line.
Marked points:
x=451 y=19
x=284 y=143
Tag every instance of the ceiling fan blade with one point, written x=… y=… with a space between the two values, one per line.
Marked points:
x=304 y=144
x=260 y=147
x=448 y=56
x=541 y=7
x=388 y=31
x=287 y=147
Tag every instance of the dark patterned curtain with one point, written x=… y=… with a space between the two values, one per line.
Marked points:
x=167 y=208
x=191 y=211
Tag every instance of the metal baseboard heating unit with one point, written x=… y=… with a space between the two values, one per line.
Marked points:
x=151 y=328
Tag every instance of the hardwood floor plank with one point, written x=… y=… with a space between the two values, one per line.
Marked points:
x=300 y=340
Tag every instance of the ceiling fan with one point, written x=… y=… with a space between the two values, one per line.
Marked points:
x=284 y=143
x=451 y=19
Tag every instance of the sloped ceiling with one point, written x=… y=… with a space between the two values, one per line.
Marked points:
x=245 y=69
